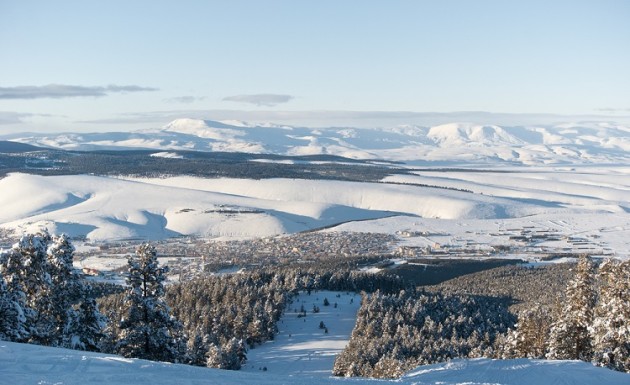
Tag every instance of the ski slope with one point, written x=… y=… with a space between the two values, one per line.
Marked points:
x=301 y=348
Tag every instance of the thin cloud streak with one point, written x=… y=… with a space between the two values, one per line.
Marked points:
x=613 y=110
x=58 y=91
x=185 y=99
x=265 y=100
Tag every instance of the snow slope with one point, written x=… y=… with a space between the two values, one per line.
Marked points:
x=452 y=144
x=590 y=203
x=103 y=208
x=301 y=348
x=574 y=201
x=22 y=364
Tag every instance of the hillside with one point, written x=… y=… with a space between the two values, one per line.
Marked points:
x=9 y=147
x=587 y=203
x=110 y=208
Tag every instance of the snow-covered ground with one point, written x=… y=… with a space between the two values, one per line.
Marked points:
x=104 y=208
x=22 y=364
x=581 y=202
x=301 y=348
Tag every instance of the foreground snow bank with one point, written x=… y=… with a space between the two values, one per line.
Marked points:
x=32 y=364
x=521 y=371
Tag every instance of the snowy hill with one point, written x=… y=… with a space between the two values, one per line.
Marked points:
x=22 y=364
x=104 y=208
x=454 y=143
x=107 y=208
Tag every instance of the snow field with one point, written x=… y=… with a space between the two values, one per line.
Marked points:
x=103 y=208
x=575 y=202
x=301 y=348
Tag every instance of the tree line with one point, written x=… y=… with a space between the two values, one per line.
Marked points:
x=213 y=320
x=591 y=323
x=208 y=321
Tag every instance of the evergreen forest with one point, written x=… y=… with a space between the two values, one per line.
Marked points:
x=575 y=311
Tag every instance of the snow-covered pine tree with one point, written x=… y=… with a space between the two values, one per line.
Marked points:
x=89 y=329
x=49 y=298
x=215 y=357
x=11 y=315
x=35 y=282
x=529 y=338
x=235 y=353
x=388 y=367
x=611 y=324
x=147 y=329
x=198 y=349
x=12 y=299
x=569 y=337
x=66 y=290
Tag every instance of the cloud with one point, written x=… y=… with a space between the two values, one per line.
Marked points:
x=613 y=110
x=10 y=117
x=185 y=99
x=58 y=91
x=267 y=100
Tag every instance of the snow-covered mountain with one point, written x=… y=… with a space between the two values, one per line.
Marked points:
x=581 y=169
x=454 y=143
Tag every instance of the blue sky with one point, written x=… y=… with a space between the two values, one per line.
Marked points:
x=121 y=65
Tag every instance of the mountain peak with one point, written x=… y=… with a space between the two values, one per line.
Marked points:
x=207 y=129
x=468 y=133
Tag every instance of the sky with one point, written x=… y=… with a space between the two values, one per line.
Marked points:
x=116 y=65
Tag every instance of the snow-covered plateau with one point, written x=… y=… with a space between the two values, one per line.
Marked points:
x=472 y=205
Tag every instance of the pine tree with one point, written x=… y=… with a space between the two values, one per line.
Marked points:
x=11 y=315
x=611 y=324
x=529 y=339
x=216 y=357
x=147 y=329
x=12 y=302
x=387 y=367
x=198 y=349
x=87 y=331
x=47 y=297
x=66 y=290
x=569 y=336
x=30 y=276
x=235 y=354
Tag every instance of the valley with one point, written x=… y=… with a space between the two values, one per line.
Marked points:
x=457 y=221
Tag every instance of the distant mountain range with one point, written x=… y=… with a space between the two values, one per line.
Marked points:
x=454 y=143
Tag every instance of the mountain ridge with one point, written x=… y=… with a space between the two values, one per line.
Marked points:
x=458 y=142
